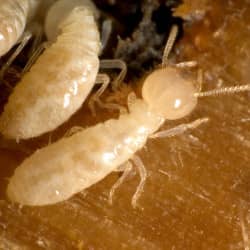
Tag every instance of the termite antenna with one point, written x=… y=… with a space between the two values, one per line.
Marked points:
x=169 y=45
x=224 y=91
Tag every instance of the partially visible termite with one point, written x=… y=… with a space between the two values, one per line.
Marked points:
x=62 y=77
x=15 y=15
x=70 y=165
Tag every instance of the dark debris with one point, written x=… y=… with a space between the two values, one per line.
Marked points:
x=145 y=27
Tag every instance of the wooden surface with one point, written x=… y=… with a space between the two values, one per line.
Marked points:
x=197 y=195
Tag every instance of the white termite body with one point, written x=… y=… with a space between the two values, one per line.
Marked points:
x=66 y=167
x=14 y=15
x=58 y=83
x=72 y=164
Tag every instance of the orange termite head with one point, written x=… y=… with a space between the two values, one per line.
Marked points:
x=168 y=93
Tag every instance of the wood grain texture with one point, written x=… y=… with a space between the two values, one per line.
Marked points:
x=197 y=192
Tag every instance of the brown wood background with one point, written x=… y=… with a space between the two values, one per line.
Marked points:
x=197 y=195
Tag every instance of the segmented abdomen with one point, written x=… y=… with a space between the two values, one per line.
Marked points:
x=58 y=83
x=72 y=164
x=13 y=18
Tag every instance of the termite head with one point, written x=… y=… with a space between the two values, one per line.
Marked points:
x=168 y=93
x=60 y=10
x=171 y=95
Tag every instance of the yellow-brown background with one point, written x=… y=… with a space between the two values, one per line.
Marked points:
x=197 y=195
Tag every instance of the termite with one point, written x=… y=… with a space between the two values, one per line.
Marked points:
x=59 y=81
x=15 y=15
x=70 y=165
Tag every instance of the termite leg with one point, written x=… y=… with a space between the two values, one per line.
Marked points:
x=37 y=31
x=73 y=130
x=131 y=99
x=23 y=41
x=143 y=175
x=127 y=167
x=36 y=48
x=113 y=106
x=39 y=50
x=200 y=80
x=104 y=80
x=187 y=64
x=115 y=64
x=180 y=129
